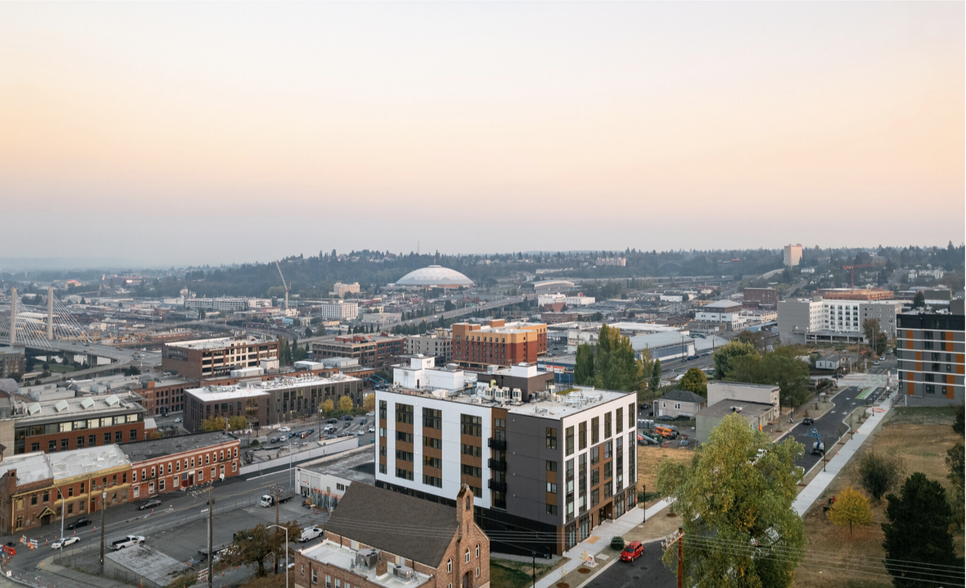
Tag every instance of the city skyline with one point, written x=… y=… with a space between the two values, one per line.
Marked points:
x=186 y=134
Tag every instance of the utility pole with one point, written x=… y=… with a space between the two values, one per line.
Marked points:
x=103 y=508
x=211 y=507
x=677 y=537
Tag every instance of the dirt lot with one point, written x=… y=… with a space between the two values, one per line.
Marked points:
x=648 y=460
x=921 y=437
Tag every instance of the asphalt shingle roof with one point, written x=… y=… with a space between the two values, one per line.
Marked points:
x=683 y=396
x=412 y=528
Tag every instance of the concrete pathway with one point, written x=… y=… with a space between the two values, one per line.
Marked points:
x=820 y=482
x=599 y=540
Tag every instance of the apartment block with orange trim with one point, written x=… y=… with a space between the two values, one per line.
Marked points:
x=931 y=348
x=476 y=346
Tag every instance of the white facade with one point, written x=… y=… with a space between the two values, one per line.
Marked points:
x=422 y=374
x=545 y=299
x=218 y=304
x=761 y=394
x=841 y=316
x=734 y=319
x=451 y=450
x=793 y=255
x=339 y=310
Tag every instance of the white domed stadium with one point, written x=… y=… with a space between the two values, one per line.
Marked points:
x=434 y=276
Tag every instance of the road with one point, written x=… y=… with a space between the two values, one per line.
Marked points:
x=177 y=527
x=831 y=424
x=647 y=570
x=461 y=311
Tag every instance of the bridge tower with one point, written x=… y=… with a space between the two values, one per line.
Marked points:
x=13 y=317
x=50 y=313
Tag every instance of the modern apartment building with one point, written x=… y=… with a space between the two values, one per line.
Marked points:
x=722 y=311
x=544 y=472
x=793 y=255
x=216 y=358
x=498 y=343
x=833 y=320
x=340 y=289
x=861 y=294
x=164 y=395
x=371 y=351
x=217 y=304
x=930 y=348
x=11 y=361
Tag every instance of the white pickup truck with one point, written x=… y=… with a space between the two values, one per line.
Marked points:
x=128 y=541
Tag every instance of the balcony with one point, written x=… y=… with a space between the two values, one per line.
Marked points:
x=496 y=464
x=495 y=485
x=499 y=444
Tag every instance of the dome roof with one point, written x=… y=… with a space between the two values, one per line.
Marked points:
x=434 y=275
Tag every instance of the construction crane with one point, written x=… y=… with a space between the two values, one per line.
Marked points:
x=852 y=268
x=818 y=447
x=283 y=283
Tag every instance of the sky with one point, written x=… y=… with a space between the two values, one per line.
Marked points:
x=209 y=133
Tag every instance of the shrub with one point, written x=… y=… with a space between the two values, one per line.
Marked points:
x=617 y=542
x=878 y=473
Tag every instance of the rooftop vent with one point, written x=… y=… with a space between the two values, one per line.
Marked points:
x=367 y=558
x=87 y=403
x=61 y=406
x=34 y=408
x=112 y=400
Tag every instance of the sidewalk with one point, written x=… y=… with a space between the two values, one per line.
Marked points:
x=599 y=540
x=821 y=481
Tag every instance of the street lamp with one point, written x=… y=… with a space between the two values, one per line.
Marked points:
x=63 y=512
x=286 y=550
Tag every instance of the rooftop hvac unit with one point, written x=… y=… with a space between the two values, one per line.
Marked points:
x=403 y=573
x=367 y=558
x=516 y=394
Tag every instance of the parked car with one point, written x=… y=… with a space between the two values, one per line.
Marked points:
x=150 y=504
x=331 y=437
x=632 y=551
x=331 y=421
x=372 y=429
x=177 y=420
x=64 y=542
x=360 y=433
x=128 y=541
x=274 y=440
x=808 y=421
x=79 y=523
x=284 y=429
x=310 y=533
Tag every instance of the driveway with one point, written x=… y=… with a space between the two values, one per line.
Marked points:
x=647 y=570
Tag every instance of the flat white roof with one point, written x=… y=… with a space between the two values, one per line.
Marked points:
x=332 y=554
x=252 y=389
x=217 y=343
x=68 y=464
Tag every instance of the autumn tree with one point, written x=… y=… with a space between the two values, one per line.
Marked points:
x=695 y=381
x=345 y=404
x=237 y=423
x=729 y=493
x=955 y=462
x=918 y=531
x=327 y=407
x=255 y=545
x=369 y=402
x=850 y=508
x=213 y=424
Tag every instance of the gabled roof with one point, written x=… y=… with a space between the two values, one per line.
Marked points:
x=409 y=527
x=683 y=396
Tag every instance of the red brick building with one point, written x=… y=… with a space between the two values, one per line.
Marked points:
x=765 y=298
x=378 y=352
x=498 y=343
x=378 y=538
x=163 y=465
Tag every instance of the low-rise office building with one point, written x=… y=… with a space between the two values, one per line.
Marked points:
x=680 y=403
x=11 y=361
x=706 y=419
x=216 y=358
x=339 y=310
x=544 y=472
x=760 y=298
x=438 y=344
x=72 y=423
x=422 y=374
x=269 y=402
x=765 y=394
x=174 y=463
x=372 y=351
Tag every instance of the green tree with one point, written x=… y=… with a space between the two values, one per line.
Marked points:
x=308 y=332
x=919 y=300
x=790 y=374
x=957 y=466
x=345 y=404
x=850 y=508
x=879 y=473
x=695 y=381
x=918 y=531
x=754 y=339
x=237 y=423
x=958 y=423
x=213 y=424
x=725 y=356
x=584 y=365
x=878 y=340
x=728 y=494
x=253 y=546
x=656 y=375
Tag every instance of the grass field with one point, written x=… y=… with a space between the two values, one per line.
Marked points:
x=650 y=457
x=920 y=436
x=513 y=574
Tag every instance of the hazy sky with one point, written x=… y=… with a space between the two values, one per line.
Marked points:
x=176 y=133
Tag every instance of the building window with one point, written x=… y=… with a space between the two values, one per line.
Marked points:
x=570 y=440
x=80 y=442
x=477 y=550
x=466 y=556
x=449 y=565
x=582 y=435
x=471 y=425
x=92 y=440
x=432 y=418
x=551 y=488
x=52 y=446
x=63 y=444
x=551 y=438
x=118 y=438
x=619 y=416
x=404 y=413
x=607 y=425
x=551 y=466
x=595 y=430
x=134 y=435
x=315 y=577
